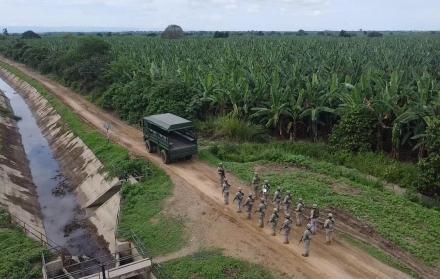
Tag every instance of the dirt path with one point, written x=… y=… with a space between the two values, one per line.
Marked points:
x=217 y=225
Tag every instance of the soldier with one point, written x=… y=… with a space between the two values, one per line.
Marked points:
x=277 y=198
x=256 y=183
x=221 y=173
x=299 y=212
x=274 y=220
x=329 y=225
x=225 y=191
x=287 y=202
x=287 y=227
x=262 y=212
x=265 y=190
x=239 y=198
x=314 y=215
x=307 y=238
x=249 y=203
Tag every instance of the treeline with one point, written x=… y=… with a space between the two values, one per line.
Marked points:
x=361 y=94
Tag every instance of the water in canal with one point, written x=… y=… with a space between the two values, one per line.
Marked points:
x=63 y=219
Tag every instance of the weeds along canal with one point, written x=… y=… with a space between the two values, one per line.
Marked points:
x=64 y=221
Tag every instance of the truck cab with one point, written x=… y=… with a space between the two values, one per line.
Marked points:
x=170 y=135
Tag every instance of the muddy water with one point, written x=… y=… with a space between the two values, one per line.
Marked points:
x=64 y=222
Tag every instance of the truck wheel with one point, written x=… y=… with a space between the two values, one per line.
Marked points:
x=164 y=156
x=151 y=148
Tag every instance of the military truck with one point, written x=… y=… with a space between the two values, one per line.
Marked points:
x=170 y=135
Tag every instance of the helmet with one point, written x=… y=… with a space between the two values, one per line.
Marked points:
x=300 y=199
x=239 y=189
x=256 y=172
x=330 y=215
x=225 y=180
x=287 y=216
x=220 y=164
x=266 y=181
x=309 y=226
x=275 y=210
x=279 y=189
x=289 y=193
x=250 y=194
x=315 y=205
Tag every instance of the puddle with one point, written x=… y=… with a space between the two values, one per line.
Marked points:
x=64 y=222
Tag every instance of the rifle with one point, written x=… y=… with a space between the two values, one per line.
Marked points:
x=301 y=240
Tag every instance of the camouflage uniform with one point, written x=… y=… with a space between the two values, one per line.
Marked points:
x=256 y=183
x=287 y=203
x=274 y=221
x=287 y=227
x=314 y=215
x=221 y=174
x=262 y=212
x=299 y=213
x=277 y=198
x=265 y=190
x=249 y=203
x=239 y=198
x=307 y=238
x=225 y=191
x=329 y=225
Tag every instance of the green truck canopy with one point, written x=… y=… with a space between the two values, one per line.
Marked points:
x=169 y=122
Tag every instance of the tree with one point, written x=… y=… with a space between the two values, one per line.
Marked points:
x=345 y=34
x=173 y=32
x=301 y=33
x=30 y=35
x=219 y=34
x=429 y=182
x=5 y=32
x=374 y=34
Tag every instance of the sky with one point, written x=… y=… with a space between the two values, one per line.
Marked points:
x=266 y=15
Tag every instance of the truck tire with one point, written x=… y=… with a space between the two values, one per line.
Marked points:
x=151 y=147
x=164 y=156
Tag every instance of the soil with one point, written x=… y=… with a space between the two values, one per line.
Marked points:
x=212 y=224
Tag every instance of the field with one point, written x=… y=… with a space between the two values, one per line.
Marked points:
x=363 y=94
x=347 y=117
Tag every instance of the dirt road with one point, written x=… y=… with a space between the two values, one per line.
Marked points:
x=219 y=225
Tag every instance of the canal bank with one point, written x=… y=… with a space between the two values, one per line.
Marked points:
x=67 y=176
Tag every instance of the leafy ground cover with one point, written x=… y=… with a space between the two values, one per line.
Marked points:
x=408 y=225
x=20 y=256
x=142 y=204
x=214 y=265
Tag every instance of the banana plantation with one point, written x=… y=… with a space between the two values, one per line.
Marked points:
x=360 y=94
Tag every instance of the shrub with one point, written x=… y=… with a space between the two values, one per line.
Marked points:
x=232 y=128
x=355 y=131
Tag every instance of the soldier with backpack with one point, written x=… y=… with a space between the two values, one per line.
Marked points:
x=265 y=190
x=287 y=227
x=239 y=198
x=225 y=191
x=314 y=215
x=307 y=239
x=287 y=202
x=329 y=225
x=273 y=220
x=261 y=212
x=249 y=203
x=299 y=212
x=277 y=198
x=221 y=173
x=256 y=183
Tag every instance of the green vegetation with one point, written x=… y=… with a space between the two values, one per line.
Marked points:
x=296 y=86
x=213 y=265
x=380 y=255
x=408 y=225
x=142 y=203
x=20 y=256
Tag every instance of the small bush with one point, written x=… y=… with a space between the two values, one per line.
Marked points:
x=232 y=128
x=355 y=131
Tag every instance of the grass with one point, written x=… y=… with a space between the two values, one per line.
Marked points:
x=408 y=225
x=214 y=265
x=20 y=256
x=380 y=255
x=142 y=204
x=369 y=163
